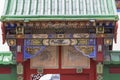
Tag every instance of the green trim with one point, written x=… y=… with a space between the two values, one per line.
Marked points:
x=114 y=52
x=60 y=17
x=5 y=52
x=111 y=62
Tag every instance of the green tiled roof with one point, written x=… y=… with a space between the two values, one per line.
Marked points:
x=59 y=10
x=6 y=58
x=114 y=57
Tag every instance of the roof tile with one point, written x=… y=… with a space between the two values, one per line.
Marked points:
x=60 y=8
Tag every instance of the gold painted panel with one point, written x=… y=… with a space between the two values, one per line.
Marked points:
x=47 y=59
x=71 y=58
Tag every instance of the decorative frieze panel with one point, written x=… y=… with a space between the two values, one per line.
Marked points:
x=58 y=42
x=40 y=35
x=86 y=42
x=88 y=51
x=71 y=58
x=100 y=30
x=58 y=27
x=60 y=30
x=20 y=30
x=11 y=42
x=108 y=41
x=61 y=24
x=33 y=42
x=82 y=35
x=32 y=51
x=46 y=59
x=68 y=36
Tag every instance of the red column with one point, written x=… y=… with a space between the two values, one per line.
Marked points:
x=19 y=57
x=115 y=32
x=100 y=44
x=3 y=32
x=27 y=70
x=92 y=73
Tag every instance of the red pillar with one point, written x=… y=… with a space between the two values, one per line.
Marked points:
x=3 y=32
x=100 y=44
x=19 y=56
x=27 y=71
x=115 y=32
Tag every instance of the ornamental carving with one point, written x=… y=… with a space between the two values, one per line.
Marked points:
x=46 y=59
x=71 y=58
x=11 y=42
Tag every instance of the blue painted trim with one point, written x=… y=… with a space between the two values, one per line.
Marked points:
x=29 y=56
x=91 y=55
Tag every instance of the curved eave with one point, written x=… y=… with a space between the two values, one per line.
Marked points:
x=5 y=52
x=8 y=63
x=8 y=54
x=112 y=52
x=46 y=17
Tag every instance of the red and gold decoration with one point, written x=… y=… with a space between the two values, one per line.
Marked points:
x=71 y=58
x=11 y=42
x=49 y=56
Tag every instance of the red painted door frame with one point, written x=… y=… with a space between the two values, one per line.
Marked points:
x=66 y=74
